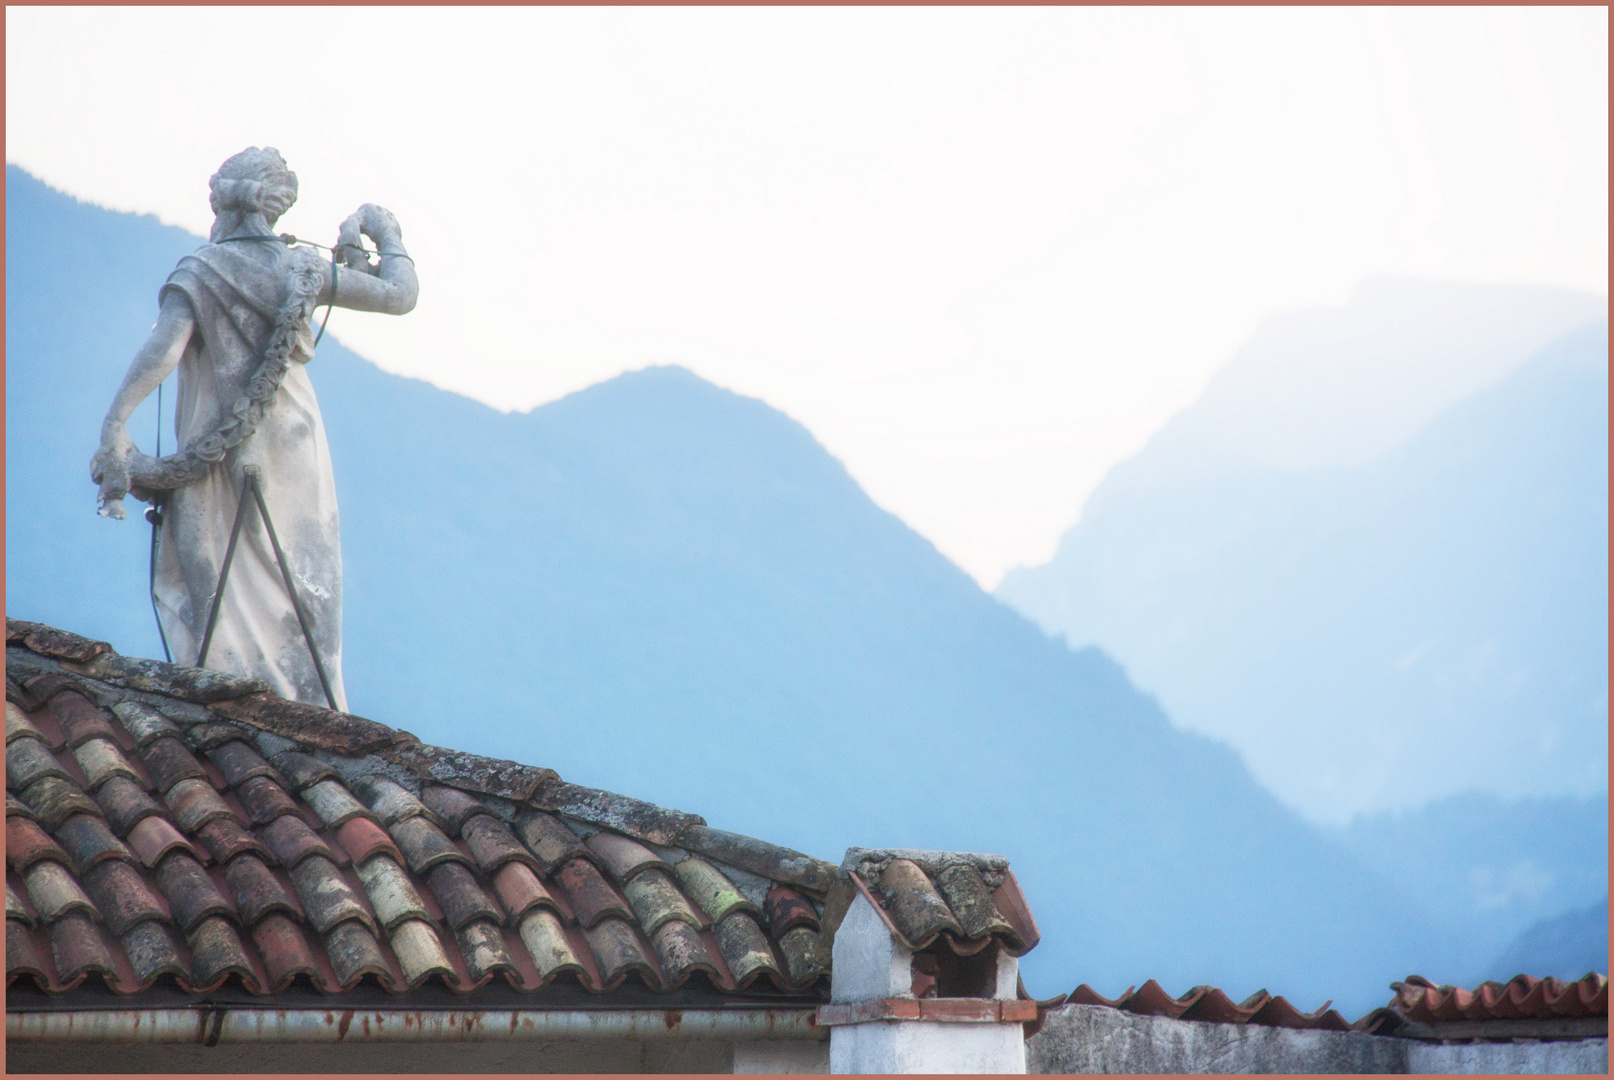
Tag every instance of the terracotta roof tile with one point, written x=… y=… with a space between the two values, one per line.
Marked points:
x=622 y=857
x=15 y=908
x=101 y=759
x=420 y=952
x=18 y=725
x=481 y=944
x=292 y=841
x=460 y=897
x=1208 y=1004
x=28 y=760
x=264 y=799
x=88 y=841
x=326 y=896
x=914 y=903
x=16 y=808
x=24 y=955
x=54 y=800
x=1522 y=997
x=53 y=892
x=745 y=948
x=49 y=641
x=152 y=952
x=788 y=909
x=217 y=953
x=453 y=806
x=225 y=838
x=390 y=800
x=471 y=772
x=391 y=893
x=333 y=803
x=311 y=725
x=549 y=838
x=238 y=761
x=285 y=950
x=492 y=844
x=806 y=957
x=656 y=900
x=547 y=943
x=302 y=770
x=520 y=890
x=354 y=953
x=617 y=951
x=915 y=892
x=257 y=891
x=681 y=951
x=362 y=838
x=27 y=843
x=168 y=761
x=78 y=949
x=143 y=723
x=125 y=804
x=970 y=900
x=424 y=845
x=590 y=896
x=194 y=803
x=192 y=896
x=78 y=717
x=155 y=837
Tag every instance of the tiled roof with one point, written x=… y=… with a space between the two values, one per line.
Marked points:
x=185 y=827
x=1212 y=1005
x=1521 y=998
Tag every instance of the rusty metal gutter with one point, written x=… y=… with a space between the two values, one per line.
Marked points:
x=210 y=1025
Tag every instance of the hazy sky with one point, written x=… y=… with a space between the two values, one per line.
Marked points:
x=981 y=254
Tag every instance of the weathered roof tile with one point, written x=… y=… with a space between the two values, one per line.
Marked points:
x=15 y=807
x=545 y=939
x=390 y=800
x=264 y=799
x=745 y=948
x=520 y=890
x=49 y=641
x=788 y=909
x=24 y=956
x=258 y=892
x=419 y=951
x=195 y=803
x=681 y=951
x=460 y=897
x=591 y=897
x=292 y=841
x=28 y=760
x=124 y=804
x=550 y=839
x=302 y=770
x=424 y=845
x=656 y=900
x=239 y=761
x=77 y=948
x=967 y=893
x=54 y=800
x=715 y=893
x=311 y=725
x=391 y=893
x=216 y=954
x=285 y=950
x=101 y=759
x=760 y=857
x=635 y=817
x=54 y=893
x=88 y=841
x=225 y=838
x=362 y=838
x=452 y=805
x=913 y=903
x=154 y=838
x=354 y=953
x=472 y=772
x=617 y=951
x=78 y=717
x=18 y=725
x=27 y=843
x=15 y=908
x=144 y=723
x=482 y=947
x=622 y=857
x=206 y=736
x=200 y=685
x=332 y=802
x=806 y=955
x=191 y=894
x=169 y=761
x=326 y=895
x=492 y=844
x=151 y=952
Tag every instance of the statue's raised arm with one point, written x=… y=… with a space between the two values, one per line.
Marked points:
x=236 y=320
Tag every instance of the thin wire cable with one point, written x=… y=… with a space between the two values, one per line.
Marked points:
x=154 y=515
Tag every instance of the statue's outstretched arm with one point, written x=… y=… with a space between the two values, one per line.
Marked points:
x=391 y=288
x=152 y=364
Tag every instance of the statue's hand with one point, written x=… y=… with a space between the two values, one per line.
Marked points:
x=379 y=224
x=110 y=469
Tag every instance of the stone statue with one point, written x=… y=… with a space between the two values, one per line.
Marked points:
x=236 y=319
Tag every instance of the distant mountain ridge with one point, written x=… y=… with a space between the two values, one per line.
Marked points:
x=1370 y=635
x=662 y=588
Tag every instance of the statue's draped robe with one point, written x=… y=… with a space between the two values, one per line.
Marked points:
x=235 y=292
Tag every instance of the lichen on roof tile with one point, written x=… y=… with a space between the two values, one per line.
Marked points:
x=216 y=954
x=492 y=844
x=545 y=939
x=15 y=908
x=656 y=900
x=88 y=841
x=617 y=951
x=54 y=893
x=28 y=760
x=144 y=723
x=787 y=909
x=354 y=953
x=326 y=896
x=391 y=893
x=78 y=717
x=256 y=889
x=549 y=838
x=481 y=945
x=635 y=817
x=970 y=899
x=125 y=804
x=169 y=761
x=332 y=802
x=622 y=857
x=152 y=952
x=452 y=806
x=311 y=725
x=681 y=951
x=303 y=770
x=264 y=799
x=101 y=759
x=19 y=726
x=390 y=800
x=225 y=838
x=460 y=897
x=54 y=800
x=760 y=857
x=238 y=761
x=24 y=956
x=194 y=803
x=190 y=891
x=745 y=948
x=714 y=892
x=806 y=956
x=424 y=845
x=913 y=903
x=419 y=950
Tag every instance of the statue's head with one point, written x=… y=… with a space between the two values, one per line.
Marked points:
x=253 y=181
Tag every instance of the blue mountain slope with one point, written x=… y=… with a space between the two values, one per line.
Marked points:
x=660 y=587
